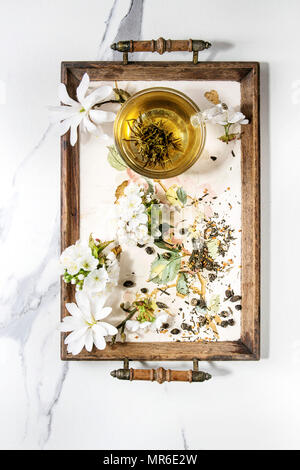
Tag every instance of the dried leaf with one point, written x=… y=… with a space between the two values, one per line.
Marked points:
x=212 y=96
x=120 y=190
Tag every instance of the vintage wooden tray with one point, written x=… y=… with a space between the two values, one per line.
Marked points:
x=247 y=74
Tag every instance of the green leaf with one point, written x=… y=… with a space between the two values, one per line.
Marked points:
x=165 y=270
x=214 y=304
x=213 y=248
x=181 y=194
x=182 y=285
x=115 y=159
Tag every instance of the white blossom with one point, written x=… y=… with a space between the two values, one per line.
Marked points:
x=96 y=280
x=73 y=113
x=85 y=323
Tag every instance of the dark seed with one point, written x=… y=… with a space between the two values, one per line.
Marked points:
x=186 y=327
x=128 y=284
x=149 y=250
x=202 y=321
x=213 y=158
x=231 y=322
x=175 y=331
x=161 y=305
x=224 y=324
x=144 y=290
x=224 y=314
x=140 y=245
x=182 y=231
x=212 y=277
x=201 y=303
x=167 y=255
x=235 y=298
x=238 y=307
x=165 y=326
x=228 y=293
x=194 y=302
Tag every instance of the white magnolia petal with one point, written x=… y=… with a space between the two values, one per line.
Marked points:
x=110 y=329
x=98 y=116
x=83 y=303
x=132 y=325
x=245 y=121
x=98 y=329
x=99 y=340
x=64 y=96
x=58 y=113
x=89 y=126
x=76 y=346
x=104 y=312
x=73 y=310
x=76 y=335
x=83 y=88
x=74 y=124
x=96 y=96
x=89 y=340
x=70 y=324
x=64 y=126
x=97 y=302
x=145 y=324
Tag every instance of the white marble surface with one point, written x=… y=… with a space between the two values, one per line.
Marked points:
x=47 y=404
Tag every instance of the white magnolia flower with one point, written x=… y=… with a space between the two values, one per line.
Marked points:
x=72 y=113
x=96 y=280
x=159 y=321
x=134 y=326
x=86 y=325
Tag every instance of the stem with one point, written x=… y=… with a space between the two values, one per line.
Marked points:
x=123 y=323
x=203 y=284
x=98 y=106
x=163 y=187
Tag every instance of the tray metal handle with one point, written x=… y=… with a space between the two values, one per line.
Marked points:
x=161 y=45
x=161 y=375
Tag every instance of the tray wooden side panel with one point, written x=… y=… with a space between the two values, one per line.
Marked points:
x=248 y=74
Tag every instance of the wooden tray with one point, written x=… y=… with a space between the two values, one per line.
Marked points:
x=247 y=73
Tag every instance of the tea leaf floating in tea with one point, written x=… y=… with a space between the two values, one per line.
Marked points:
x=153 y=141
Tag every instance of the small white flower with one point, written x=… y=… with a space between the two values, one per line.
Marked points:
x=159 y=321
x=88 y=262
x=220 y=114
x=72 y=113
x=85 y=323
x=113 y=268
x=96 y=280
x=134 y=326
x=80 y=277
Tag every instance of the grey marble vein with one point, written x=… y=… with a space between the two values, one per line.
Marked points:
x=117 y=29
